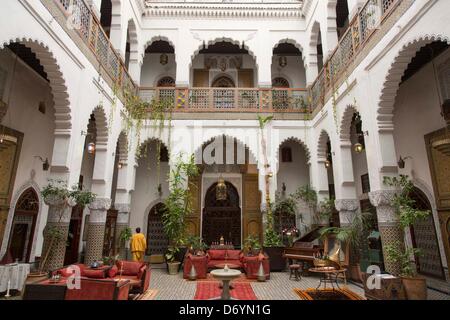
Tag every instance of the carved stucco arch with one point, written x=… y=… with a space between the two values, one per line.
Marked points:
x=324 y=137
x=300 y=142
x=207 y=43
x=30 y=184
x=391 y=85
x=346 y=122
x=57 y=82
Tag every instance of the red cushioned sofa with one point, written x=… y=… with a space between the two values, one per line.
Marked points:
x=105 y=283
x=216 y=257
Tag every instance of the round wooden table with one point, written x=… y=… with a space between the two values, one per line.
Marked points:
x=328 y=275
x=225 y=275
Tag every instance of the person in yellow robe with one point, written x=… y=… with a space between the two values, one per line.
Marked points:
x=138 y=245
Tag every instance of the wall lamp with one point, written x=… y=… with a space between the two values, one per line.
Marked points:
x=401 y=162
x=91 y=145
x=45 y=163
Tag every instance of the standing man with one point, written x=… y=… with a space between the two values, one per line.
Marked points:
x=138 y=246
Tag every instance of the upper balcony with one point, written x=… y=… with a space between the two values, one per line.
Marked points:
x=230 y=100
x=363 y=33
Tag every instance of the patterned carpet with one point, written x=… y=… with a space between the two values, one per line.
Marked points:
x=327 y=294
x=209 y=290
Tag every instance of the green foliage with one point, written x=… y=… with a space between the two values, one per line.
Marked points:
x=284 y=205
x=178 y=203
x=125 y=235
x=272 y=239
x=172 y=253
x=396 y=253
x=251 y=243
x=326 y=208
x=264 y=120
x=307 y=194
x=405 y=206
x=110 y=261
x=58 y=189
x=196 y=243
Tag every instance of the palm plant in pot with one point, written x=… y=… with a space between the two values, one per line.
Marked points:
x=177 y=207
x=273 y=243
x=408 y=214
x=252 y=245
x=353 y=236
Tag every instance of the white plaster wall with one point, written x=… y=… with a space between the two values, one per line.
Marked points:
x=146 y=194
x=294 y=71
x=27 y=90
x=153 y=71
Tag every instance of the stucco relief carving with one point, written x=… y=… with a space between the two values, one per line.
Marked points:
x=59 y=210
x=347 y=209
x=383 y=201
x=98 y=210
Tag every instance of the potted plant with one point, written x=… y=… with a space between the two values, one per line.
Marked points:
x=60 y=198
x=124 y=237
x=252 y=246
x=415 y=287
x=352 y=236
x=196 y=246
x=308 y=195
x=325 y=210
x=177 y=207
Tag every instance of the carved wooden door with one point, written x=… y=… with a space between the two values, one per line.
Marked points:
x=440 y=171
x=157 y=241
x=110 y=234
x=222 y=217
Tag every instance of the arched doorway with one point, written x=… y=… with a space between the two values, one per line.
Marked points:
x=424 y=237
x=223 y=82
x=24 y=223
x=222 y=217
x=157 y=241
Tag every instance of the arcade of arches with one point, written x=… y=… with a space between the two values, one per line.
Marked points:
x=381 y=117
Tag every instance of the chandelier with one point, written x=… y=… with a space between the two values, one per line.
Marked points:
x=221 y=190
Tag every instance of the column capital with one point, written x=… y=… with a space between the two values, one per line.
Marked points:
x=122 y=208
x=101 y=204
x=59 y=209
x=346 y=204
x=382 y=197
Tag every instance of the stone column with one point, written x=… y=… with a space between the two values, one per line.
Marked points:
x=56 y=232
x=347 y=210
x=122 y=223
x=96 y=230
x=388 y=225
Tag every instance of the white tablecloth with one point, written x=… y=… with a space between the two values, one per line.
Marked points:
x=15 y=273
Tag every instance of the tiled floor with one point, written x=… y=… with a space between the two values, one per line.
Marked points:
x=279 y=287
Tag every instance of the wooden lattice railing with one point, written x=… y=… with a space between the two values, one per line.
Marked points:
x=81 y=18
x=230 y=99
x=368 y=20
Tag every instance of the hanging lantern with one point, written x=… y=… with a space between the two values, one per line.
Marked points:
x=358 y=147
x=164 y=59
x=91 y=148
x=282 y=61
x=221 y=190
x=327 y=164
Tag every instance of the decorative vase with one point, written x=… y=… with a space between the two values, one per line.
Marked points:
x=261 y=274
x=415 y=288
x=193 y=273
x=173 y=267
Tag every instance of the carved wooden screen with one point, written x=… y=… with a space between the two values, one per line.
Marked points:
x=252 y=221
x=110 y=234
x=222 y=217
x=23 y=228
x=193 y=220
x=9 y=159
x=424 y=237
x=440 y=172
x=157 y=240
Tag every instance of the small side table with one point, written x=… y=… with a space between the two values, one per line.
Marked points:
x=328 y=275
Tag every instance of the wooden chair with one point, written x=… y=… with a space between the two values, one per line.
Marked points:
x=339 y=253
